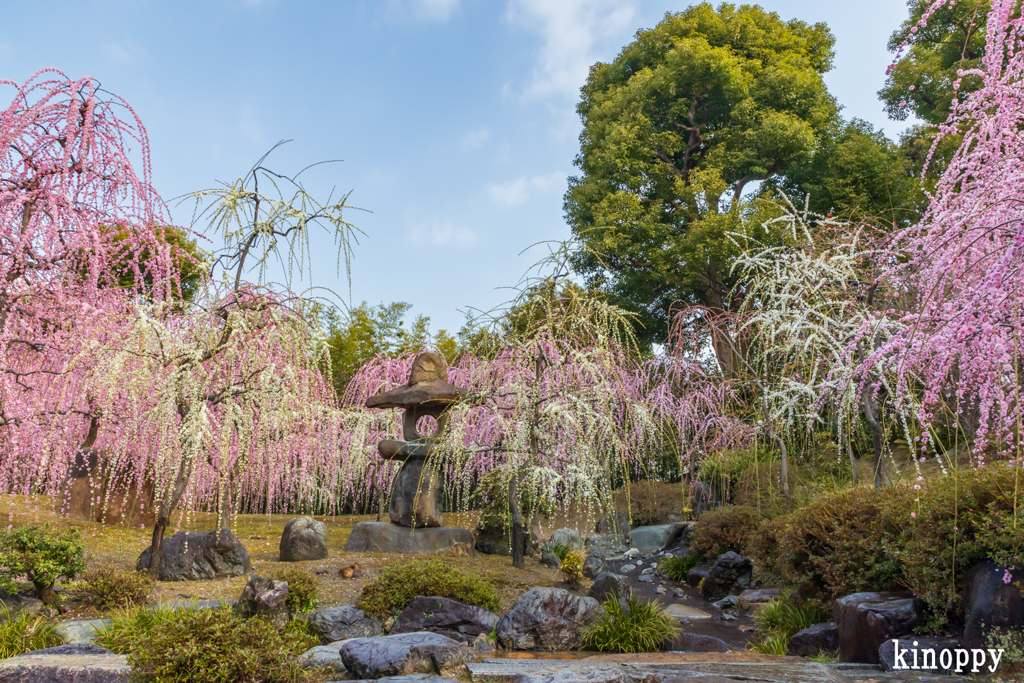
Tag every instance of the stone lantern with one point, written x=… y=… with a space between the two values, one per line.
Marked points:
x=416 y=493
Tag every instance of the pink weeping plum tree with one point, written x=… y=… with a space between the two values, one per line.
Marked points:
x=218 y=399
x=954 y=355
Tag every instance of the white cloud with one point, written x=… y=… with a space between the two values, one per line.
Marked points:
x=518 y=191
x=442 y=234
x=571 y=29
x=474 y=139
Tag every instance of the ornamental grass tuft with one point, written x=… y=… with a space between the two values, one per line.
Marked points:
x=637 y=626
x=24 y=632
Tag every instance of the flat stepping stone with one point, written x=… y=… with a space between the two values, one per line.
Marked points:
x=74 y=631
x=685 y=612
x=65 y=669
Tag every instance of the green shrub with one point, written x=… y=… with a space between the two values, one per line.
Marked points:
x=639 y=626
x=303 y=588
x=676 y=568
x=131 y=627
x=24 y=633
x=727 y=528
x=42 y=555
x=395 y=588
x=207 y=645
x=863 y=539
x=108 y=587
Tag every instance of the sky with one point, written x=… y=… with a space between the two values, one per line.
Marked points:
x=454 y=119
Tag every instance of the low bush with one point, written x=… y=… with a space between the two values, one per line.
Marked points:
x=724 y=529
x=559 y=550
x=42 y=555
x=637 y=626
x=395 y=588
x=303 y=588
x=676 y=568
x=781 y=619
x=205 y=645
x=24 y=633
x=899 y=537
x=109 y=587
x=572 y=567
x=131 y=627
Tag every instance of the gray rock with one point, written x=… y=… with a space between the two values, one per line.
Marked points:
x=651 y=539
x=814 y=640
x=547 y=619
x=205 y=555
x=754 y=598
x=866 y=620
x=413 y=678
x=571 y=538
x=340 y=623
x=703 y=497
x=408 y=653
x=594 y=565
x=265 y=598
x=52 y=668
x=660 y=590
x=304 y=539
x=887 y=653
x=678 y=593
x=590 y=672
x=324 y=655
x=649 y=570
x=696 y=642
x=645 y=578
x=609 y=586
x=991 y=604
x=606 y=544
x=550 y=560
x=448 y=617
x=18 y=604
x=75 y=631
x=482 y=643
x=383 y=537
x=679 y=540
x=626 y=568
x=728 y=602
x=631 y=554
x=730 y=571
x=416 y=496
x=72 y=649
x=697 y=574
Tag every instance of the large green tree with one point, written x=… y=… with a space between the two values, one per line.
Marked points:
x=688 y=117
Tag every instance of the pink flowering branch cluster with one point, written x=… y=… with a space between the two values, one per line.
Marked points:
x=957 y=349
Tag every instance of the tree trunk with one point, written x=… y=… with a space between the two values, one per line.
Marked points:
x=46 y=593
x=867 y=395
x=518 y=527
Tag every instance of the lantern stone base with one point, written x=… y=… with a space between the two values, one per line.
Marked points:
x=384 y=537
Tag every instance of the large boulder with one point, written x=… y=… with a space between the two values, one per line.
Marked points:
x=570 y=538
x=697 y=574
x=594 y=565
x=13 y=605
x=547 y=619
x=814 y=640
x=993 y=603
x=304 y=539
x=383 y=537
x=448 y=617
x=651 y=539
x=265 y=598
x=606 y=545
x=73 y=649
x=324 y=656
x=65 y=668
x=340 y=623
x=730 y=572
x=197 y=556
x=928 y=650
x=866 y=620
x=703 y=497
x=753 y=598
x=608 y=586
x=408 y=653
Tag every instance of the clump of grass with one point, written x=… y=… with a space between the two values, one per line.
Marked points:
x=559 y=550
x=572 y=568
x=637 y=626
x=109 y=588
x=676 y=568
x=303 y=588
x=24 y=633
x=130 y=627
x=781 y=619
x=216 y=645
x=398 y=585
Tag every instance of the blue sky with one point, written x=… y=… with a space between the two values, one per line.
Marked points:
x=455 y=118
